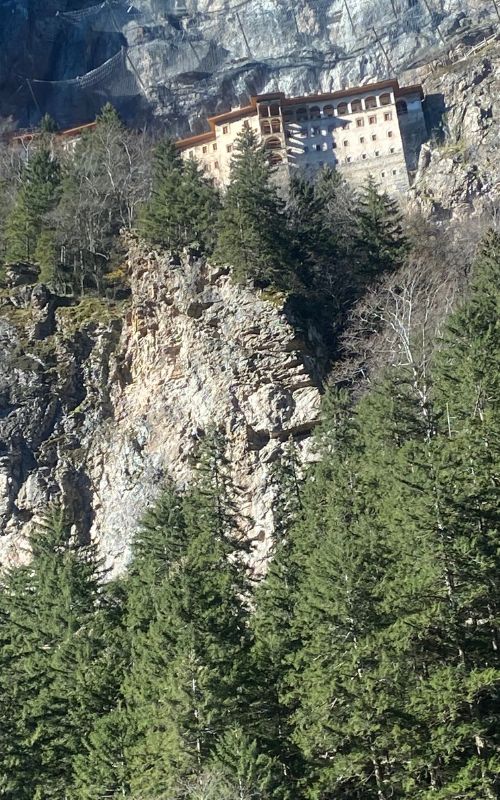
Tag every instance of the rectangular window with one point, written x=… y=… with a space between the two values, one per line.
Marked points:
x=360 y=122
x=316 y=147
x=382 y=174
x=205 y=148
x=389 y=134
x=392 y=150
x=364 y=155
x=348 y=159
x=372 y=120
x=229 y=147
x=387 y=116
x=345 y=143
x=225 y=129
x=361 y=139
x=216 y=164
x=394 y=171
x=374 y=137
x=214 y=147
x=377 y=152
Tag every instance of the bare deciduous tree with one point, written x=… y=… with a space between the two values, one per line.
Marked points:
x=398 y=319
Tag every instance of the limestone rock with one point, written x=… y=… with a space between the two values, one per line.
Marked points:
x=100 y=414
x=459 y=170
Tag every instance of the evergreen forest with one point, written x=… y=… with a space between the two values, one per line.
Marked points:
x=366 y=662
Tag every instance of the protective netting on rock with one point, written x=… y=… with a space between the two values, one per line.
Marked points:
x=79 y=99
x=174 y=43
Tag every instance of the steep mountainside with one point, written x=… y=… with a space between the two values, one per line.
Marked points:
x=175 y=61
x=99 y=403
x=99 y=411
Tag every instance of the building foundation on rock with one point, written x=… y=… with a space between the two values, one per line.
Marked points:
x=376 y=129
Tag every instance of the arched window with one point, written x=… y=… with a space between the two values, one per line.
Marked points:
x=401 y=107
x=315 y=112
x=273 y=144
x=265 y=128
x=276 y=126
x=328 y=111
x=302 y=114
x=342 y=109
x=275 y=159
x=356 y=106
x=370 y=102
x=385 y=99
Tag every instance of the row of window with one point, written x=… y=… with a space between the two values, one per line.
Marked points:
x=354 y=107
x=343 y=109
x=318 y=148
x=364 y=156
x=316 y=130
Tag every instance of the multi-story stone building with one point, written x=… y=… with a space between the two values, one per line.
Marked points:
x=374 y=129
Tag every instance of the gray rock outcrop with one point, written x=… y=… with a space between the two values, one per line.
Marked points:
x=459 y=171
x=98 y=412
x=175 y=61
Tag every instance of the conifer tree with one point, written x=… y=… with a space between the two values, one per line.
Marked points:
x=312 y=243
x=47 y=610
x=190 y=674
x=252 y=228
x=101 y=767
x=345 y=691
x=38 y=195
x=380 y=244
x=183 y=206
x=273 y=624
x=438 y=514
x=48 y=125
x=459 y=700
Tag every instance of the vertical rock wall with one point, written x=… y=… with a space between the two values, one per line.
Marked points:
x=98 y=413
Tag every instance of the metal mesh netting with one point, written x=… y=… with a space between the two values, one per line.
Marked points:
x=177 y=41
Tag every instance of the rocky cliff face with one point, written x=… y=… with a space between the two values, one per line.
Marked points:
x=174 y=61
x=459 y=170
x=98 y=411
x=100 y=403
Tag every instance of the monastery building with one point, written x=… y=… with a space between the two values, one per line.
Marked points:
x=373 y=129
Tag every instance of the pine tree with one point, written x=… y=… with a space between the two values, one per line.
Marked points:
x=345 y=689
x=184 y=204
x=273 y=624
x=380 y=241
x=48 y=125
x=252 y=228
x=432 y=485
x=101 y=768
x=311 y=241
x=188 y=684
x=200 y=206
x=459 y=701
x=48 y=609
x=244 y=770
x=38 y=195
